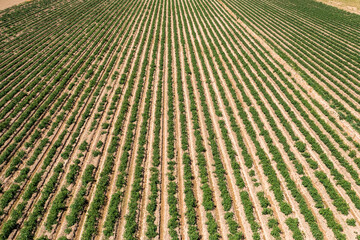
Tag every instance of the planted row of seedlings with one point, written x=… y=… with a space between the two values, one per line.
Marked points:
x=11 y=147
x=337 y=99
x=33 y=51
x=236 y=167
x=13 y=18
x=45 y=122
x=194 y=223
x=33 y=76
x=332 y=133
x=170 y=153
x=227 y=196
x=113 y=208
x=333 y=43
x=134 y=206
x=148 y=221
x=30 y=162
x=86 y=111
x=102 y=143
x=98 y=143
x=208 y=212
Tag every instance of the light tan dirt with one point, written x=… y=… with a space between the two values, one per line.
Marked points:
x=164 y=181
x=352 y=6
x=9 y=3
x=164 y=206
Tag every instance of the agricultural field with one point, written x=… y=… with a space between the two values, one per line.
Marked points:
x=179 y=119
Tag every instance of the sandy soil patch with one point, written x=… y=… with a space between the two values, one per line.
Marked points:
x=9 y=3
x=352 y=6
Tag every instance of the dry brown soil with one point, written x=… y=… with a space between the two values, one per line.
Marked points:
x=352 y=6
x=9 y=3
